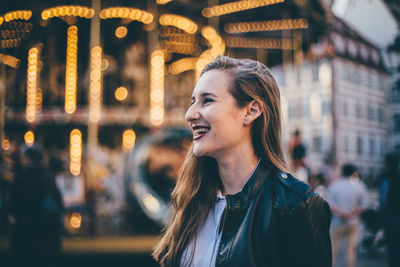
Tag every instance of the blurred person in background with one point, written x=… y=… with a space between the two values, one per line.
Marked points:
x=35 y=214
x=390 y=201
x=318 y=184
x=347 y=198
x=234 y=203
x=298 y=153
x=6 y=178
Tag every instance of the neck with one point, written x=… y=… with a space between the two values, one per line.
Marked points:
x=235 y=170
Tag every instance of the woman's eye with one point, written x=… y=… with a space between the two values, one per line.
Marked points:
x=208 y=100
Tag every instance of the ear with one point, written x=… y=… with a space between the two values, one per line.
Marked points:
x=253 y=111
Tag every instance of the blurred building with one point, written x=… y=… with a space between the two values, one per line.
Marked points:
x=394 y=96
x=338 y=98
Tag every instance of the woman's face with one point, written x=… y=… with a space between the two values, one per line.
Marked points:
x=215 y=118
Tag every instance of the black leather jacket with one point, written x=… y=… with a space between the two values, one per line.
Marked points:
x=275 y=221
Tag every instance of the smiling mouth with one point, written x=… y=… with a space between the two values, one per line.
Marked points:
x=199 y=132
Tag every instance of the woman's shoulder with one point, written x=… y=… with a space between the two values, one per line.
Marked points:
x=291 y=193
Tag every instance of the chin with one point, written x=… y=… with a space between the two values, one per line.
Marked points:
x=199 y=152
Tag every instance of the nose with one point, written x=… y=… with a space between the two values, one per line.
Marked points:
x=192 y=114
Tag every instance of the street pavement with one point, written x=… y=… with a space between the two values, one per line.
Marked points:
x=364 y=259
x=135 y=251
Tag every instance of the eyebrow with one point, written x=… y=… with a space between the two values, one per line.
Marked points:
x=202 y=95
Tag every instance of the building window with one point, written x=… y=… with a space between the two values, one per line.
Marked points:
x=371 y=146
x=326 y=107
x=358 y=110
x=346 y=144
x=345 y=74
x=380 y=115
x=381 y=84
x=396 y=123
x=306 y=109
x=383 y=150
x=356 y=77
x=370 y=113
x=369 y=81
x=345 y=108
x=317 y=144
x=359 y=145
x=292 y=112
x=396 y=92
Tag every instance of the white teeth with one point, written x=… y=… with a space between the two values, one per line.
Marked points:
x=200 y=130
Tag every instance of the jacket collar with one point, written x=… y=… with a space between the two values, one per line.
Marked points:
x=251 y=188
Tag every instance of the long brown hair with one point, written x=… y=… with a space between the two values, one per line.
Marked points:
x=195 y=192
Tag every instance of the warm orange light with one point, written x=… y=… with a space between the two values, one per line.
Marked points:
x=61 y=11
x=19 y=14
x=75 y=152
x=121 y=32
x=121 y=93
x=180 y=22
x=29 y=138
x=266 y=43
x=270 y=25
x=9 y=61
x=5 y=144
x=237 y=6
x=76 y=220
x=128 y=140
x=71 y=70
x=39 y=100
x=127 y=13
x=182 y=65
x=95 y=84
x=157 y=62
x=163 y=2
x=32 y=78
x=181 y=48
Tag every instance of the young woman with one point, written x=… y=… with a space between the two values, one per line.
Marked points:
x=235 y=204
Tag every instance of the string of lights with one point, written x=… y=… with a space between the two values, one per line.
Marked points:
x=127 y=13
x=63 y=11
x=229 y=8
x=217 y=48
x=95 y=84
x=182 y=65
x=180 y=22
x=182 y=38
x=270 y=25
x=32 y=79
x=10 y=43
x=10 y=61
x=75 y=152
x=170 y=31
x=39 y=100
x=246 y=42
x=17 y=15
x=157 y=63
x=71 y=70
x=181 y=48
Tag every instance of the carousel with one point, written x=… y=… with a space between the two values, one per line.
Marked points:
x=102 y=87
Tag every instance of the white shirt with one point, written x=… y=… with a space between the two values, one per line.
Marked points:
x=347 y=194
x=208 y=237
